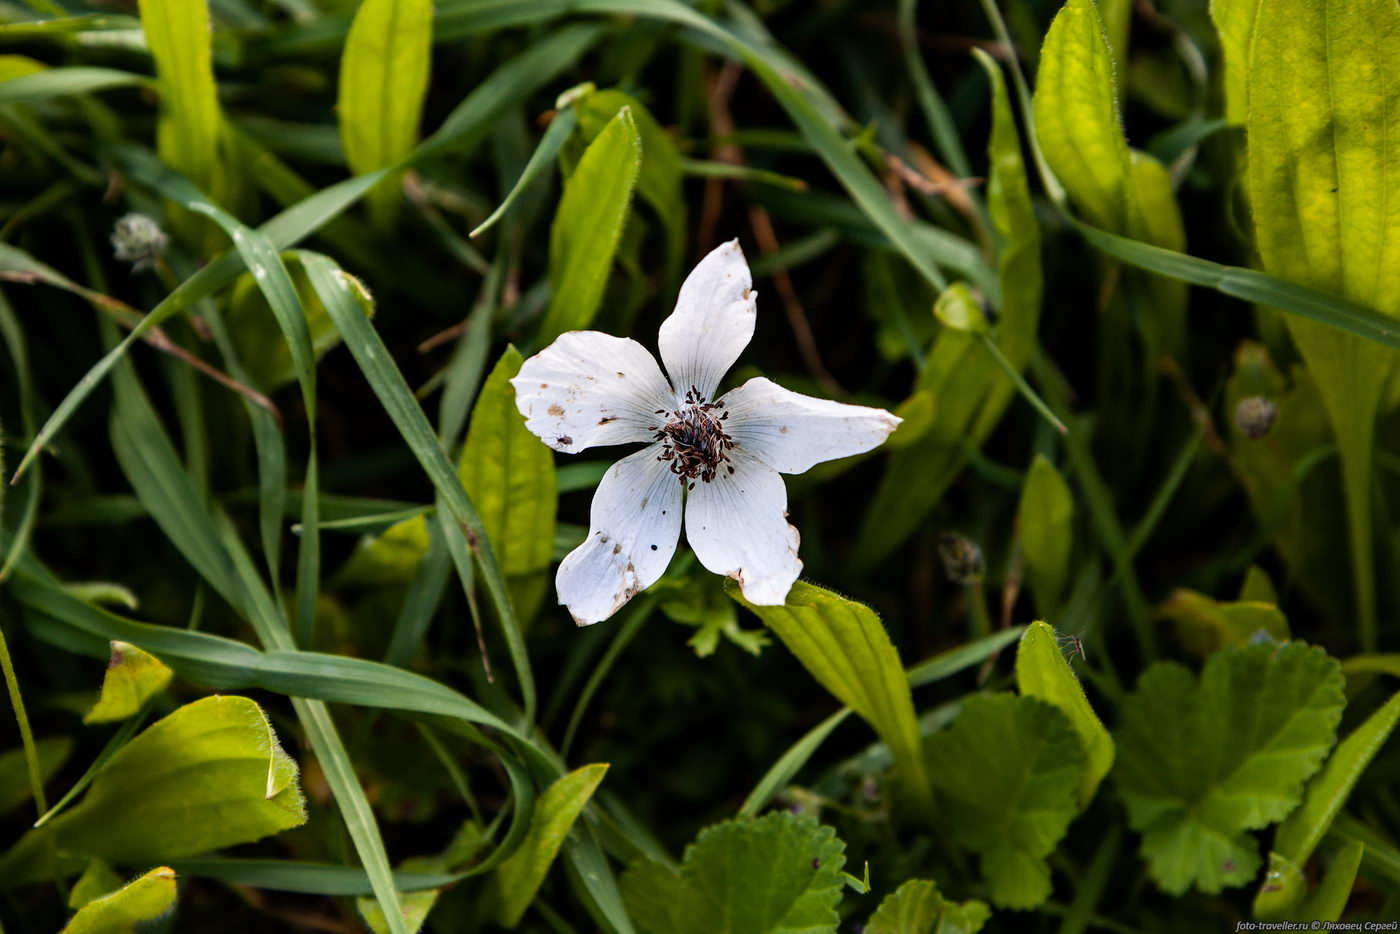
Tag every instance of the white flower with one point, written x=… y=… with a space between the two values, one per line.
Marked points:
x=722 y=455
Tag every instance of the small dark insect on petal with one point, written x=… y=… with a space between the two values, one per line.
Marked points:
x=653 y=547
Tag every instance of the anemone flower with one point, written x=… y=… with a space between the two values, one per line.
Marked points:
x=717 y=456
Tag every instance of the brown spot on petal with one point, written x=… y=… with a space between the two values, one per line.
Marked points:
x=558 y=411
x=617 y=549
x=610 y=418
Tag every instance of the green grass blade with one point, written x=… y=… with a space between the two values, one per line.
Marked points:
x=61 y=82
x=541 y=159
x=394 y=394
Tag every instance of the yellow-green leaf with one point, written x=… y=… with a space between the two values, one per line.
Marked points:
x=1204 y=625
x=148 y=897
x=917 y=907
x=1234 y=22
x=392 y=557
x=383 y=82
x=843 y=645
x=1329 y=899
x=1323 y=172
x=510 y=476
x=177 y=32
x=520 y=876
x=1076 y=117
x=1041 y=671
x=98 y=879
x=132 y=677
x=211 y=774
x=588 y=225
x=1046 y=520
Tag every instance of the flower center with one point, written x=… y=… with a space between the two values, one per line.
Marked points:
x=693 y=441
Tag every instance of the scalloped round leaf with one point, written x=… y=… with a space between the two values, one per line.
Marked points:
x=779 y=873
x=917 y=907
x=1201 y=763
x=1006 y=774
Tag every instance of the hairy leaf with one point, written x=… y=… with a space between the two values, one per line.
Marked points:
x=917 y=907
x=143 y=900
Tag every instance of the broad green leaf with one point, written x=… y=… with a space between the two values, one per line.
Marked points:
x=1204 y=625
x=520 y=876
x=1005 y=775
x=588 y=225
x=132 y=677
x=843 y=645
x=968 y=386
x=1041 y=671
x=917 y=907
x=391 y=557
x=15 y=788
x=1201 y=763
x=659 y=179
x=1234 y=22
x=209 y=775
x=177 y=32
x=509 y=475
x=1045 y=519
x=97 y=880
x=1076 y=119
x=383 y=82
x=147 y=898
x=1322 y=172
x=779 y=874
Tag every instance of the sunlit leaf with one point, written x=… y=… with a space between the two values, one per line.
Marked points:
x=132 y=677
x=842 y=644
x=588 y=225
x=143 y=900
x=383 y=81
x=1041 y=671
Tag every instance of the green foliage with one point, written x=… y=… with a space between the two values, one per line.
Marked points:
x=1202 y=763
x=1005 y=775
x=1320 y=174
x=209 y=775
x=139 y=901
x=842 y=644
x=917 y=907
x=929 y=234
x=509 y=474
x=588 y=225
x=132 y=677
x=520 y=876
x=1045 y=520
x=383 y=82
x=779 y=873
x=1041 y=671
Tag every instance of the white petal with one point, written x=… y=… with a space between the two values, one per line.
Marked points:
x=634 y=525
x=791 y=432
x=590 y=388
x=737 y=524
x=712 y=323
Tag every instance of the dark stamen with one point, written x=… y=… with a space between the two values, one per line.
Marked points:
x=694 y=442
